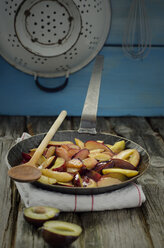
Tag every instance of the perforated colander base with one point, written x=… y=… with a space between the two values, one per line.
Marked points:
x=50 y=37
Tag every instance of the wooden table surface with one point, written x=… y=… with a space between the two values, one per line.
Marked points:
x=129 y=228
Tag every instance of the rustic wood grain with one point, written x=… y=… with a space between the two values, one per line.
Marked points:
x=139 y=130
x=157 y=124
x=26 y=234
x=37 y=125
x=136 y=227
x=10 y=129
x=132 y=228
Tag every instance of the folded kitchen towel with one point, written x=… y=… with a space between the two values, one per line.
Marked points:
x=128 y=197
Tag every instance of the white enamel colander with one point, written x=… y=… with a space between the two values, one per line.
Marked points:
x=49 y=38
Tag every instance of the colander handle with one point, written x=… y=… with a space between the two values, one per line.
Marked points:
x=49 y=89
x=89 y=113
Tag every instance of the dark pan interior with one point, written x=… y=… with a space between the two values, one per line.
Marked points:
x=14 y=158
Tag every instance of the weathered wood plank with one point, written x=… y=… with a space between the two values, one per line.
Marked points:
x=37 y=125
x=31 y=236
x=139 y=227
x=121 y=228
x=91 y=221
x=104 y=124
x=138 y=130
x=157 y=124
x=112 y=227
x=26 y=234
x=148 y=216
x=10 y=129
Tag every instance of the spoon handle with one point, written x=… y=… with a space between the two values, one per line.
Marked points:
x=47 y=138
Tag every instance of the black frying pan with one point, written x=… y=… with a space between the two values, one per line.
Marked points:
x=15 y=156
x=87 y=131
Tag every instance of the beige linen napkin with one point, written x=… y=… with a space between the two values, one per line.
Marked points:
x=128 y=197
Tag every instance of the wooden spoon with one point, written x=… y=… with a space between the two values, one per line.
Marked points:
x=28 y=172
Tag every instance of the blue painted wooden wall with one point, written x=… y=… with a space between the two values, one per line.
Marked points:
x=129 y=87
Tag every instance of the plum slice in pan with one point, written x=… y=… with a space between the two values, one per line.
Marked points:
x=15 y=155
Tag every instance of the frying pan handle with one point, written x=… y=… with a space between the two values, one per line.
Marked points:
x=89 y=113
x=51 y=89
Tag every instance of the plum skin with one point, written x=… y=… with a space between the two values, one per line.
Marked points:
x=55 y=237
x=57 y=240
